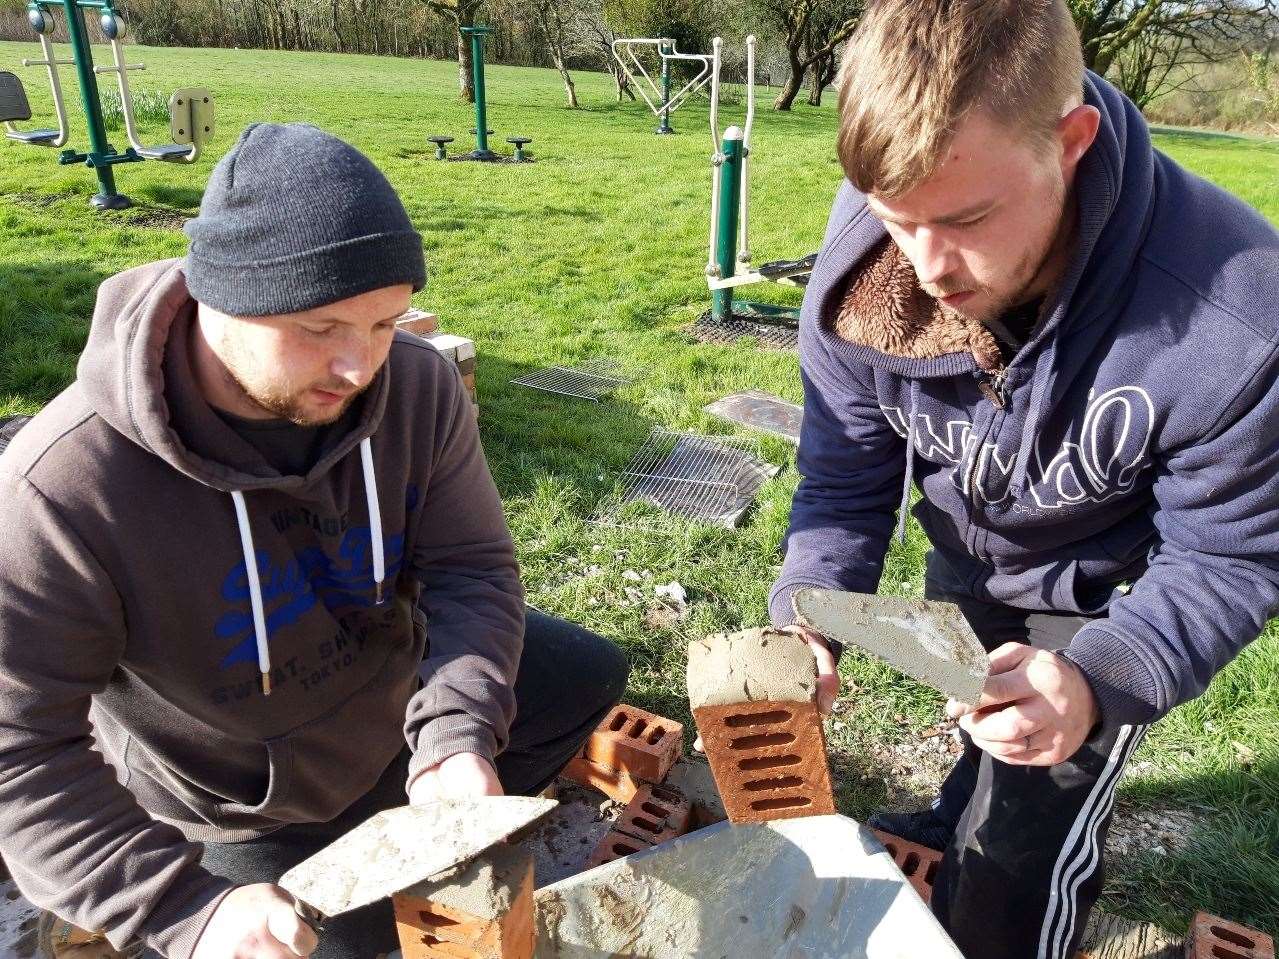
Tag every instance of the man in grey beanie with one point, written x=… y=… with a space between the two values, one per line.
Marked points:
x=256 y=583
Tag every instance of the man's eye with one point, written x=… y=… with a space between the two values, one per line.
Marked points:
x=319 y=331
x=971 y=223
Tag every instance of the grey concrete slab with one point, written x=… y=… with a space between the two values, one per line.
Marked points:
x=930 y=642
x=815 y=888
x=760 y=411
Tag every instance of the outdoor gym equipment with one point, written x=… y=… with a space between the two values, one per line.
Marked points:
x=728 y=265
x=625 y=50
x=190 y=108
x=481 y=153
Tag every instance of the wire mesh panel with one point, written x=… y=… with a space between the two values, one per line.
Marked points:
x=773 y=336
x=592 y=380
x=712 y=479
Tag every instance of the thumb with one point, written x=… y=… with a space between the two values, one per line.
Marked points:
x=285 y=925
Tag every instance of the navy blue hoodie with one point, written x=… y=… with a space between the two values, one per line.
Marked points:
x=1133 y=440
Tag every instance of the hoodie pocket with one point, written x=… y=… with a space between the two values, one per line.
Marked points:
x=279 y=758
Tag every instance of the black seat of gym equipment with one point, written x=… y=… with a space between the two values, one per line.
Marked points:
x=166 y=151
x=439 y=141
x=519 y=141
x=14 y=106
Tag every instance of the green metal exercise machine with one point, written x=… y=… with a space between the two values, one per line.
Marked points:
x=190 y=108
x=481 y=153
x=729 y=263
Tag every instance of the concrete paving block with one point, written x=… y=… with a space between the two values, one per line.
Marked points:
x=760 y=411
x=930 y=642
x=820 y=887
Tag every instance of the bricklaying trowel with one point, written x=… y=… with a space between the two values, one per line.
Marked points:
x=930 y=642
x=401 y=847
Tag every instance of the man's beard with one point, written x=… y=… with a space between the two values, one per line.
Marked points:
x=286 y=402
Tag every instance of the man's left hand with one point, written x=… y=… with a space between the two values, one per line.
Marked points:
x=460 y=776
x=1037 y=708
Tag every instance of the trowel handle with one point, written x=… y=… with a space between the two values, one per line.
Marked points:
x=310 y=915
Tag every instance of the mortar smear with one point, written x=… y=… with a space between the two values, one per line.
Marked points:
x=757 y=665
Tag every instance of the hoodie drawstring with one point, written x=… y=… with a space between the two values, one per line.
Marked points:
x=910 y=462
x=251 y=565
x=375 y=519
x=255 y=589
x=1041 y=387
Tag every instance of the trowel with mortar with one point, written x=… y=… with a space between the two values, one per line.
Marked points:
x=930 y=642
x=400 y=847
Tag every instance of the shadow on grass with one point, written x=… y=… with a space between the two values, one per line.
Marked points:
x=45 y=309
x=185 y=198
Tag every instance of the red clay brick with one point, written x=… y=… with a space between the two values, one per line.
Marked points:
x=918 y=863
x=615 y=845
x=1212 y=937
x=419 y=322
x=616 y=785
x=768 y=759
x=656 y=814
x=637 y=742
x=432 y=930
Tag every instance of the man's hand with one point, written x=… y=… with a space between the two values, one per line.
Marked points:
x=1037 y=708
x=460 y=776
x=255 y=922
x=827 y=675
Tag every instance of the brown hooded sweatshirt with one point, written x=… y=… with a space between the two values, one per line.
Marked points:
x=132 y=720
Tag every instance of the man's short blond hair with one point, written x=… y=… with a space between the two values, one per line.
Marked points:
x=915 y=68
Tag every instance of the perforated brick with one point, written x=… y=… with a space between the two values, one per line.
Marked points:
x=473 y=923
x=615 y=845
x=419 y=322
x=614 y=784
x=656 y=814
x=1212 y=937
x=918 y=863
x=768 y=759
x=637 y=742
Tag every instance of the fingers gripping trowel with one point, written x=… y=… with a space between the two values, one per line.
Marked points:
x=401 y=847
x=930 y=642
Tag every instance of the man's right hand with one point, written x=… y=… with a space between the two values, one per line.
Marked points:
x=255 y=922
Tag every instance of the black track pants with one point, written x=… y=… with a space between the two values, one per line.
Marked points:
x=1024 y=866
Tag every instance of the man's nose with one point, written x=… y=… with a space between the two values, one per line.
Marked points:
x=354 y=363
x=933 y=256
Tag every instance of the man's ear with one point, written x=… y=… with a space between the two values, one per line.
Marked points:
x=1076 y=132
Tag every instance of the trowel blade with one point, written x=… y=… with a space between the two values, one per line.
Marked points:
x=401 y=847
x=930 y=642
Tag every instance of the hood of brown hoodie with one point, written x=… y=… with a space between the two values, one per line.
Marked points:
x=884 y=308
x=127 y=381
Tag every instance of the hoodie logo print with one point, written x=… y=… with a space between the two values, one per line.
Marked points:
x=1113 y=447
x=290 y=590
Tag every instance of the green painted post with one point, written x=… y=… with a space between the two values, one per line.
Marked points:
x=477 y=81
x=101 y=153
x=730 y=198
x=665 y=126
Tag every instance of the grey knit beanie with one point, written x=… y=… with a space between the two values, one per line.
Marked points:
x=294 y=218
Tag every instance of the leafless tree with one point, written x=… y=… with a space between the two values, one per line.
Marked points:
x=462 y=14
x=558 y=23
x=810 y=31
x=1210 y=29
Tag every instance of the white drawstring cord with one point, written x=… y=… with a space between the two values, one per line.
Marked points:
x=255 y=590
x=375 y=519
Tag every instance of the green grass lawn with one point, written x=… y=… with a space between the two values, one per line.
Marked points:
x=597 y=250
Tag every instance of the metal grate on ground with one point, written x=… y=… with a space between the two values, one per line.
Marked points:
x=711 y=479
x=592 y=380
x=771 y=336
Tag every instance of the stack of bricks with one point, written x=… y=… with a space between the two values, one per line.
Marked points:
x=482 y=910
x=458 y=349
x=627 y=758
x=754 y=698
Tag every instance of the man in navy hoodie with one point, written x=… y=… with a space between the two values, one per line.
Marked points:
x=1069 y=344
